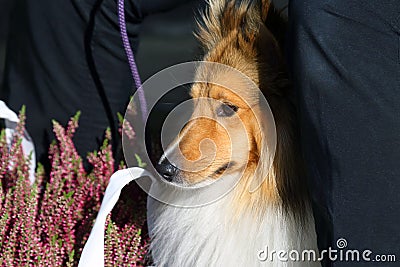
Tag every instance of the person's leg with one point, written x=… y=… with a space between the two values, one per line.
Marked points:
x=345 y=64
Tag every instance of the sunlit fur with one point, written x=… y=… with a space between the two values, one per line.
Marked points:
x=232 y=230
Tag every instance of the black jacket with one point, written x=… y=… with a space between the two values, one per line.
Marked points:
x=65 y=56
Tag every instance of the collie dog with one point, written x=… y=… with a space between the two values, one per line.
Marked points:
x=243 y=226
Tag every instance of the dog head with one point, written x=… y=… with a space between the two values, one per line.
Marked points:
x=230 y=132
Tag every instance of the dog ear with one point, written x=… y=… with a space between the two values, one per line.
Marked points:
x=224 y=17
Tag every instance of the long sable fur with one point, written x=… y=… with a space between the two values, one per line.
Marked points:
x=260 y=31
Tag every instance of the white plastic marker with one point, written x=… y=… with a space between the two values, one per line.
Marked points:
x=93 y=252
x=11 y=120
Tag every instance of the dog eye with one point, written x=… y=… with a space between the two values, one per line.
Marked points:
x=226 y=110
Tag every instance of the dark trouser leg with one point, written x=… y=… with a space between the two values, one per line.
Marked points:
x=345 y=64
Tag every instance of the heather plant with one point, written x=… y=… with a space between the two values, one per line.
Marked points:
x=48 y=222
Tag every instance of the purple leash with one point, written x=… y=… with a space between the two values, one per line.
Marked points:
x=131 y=59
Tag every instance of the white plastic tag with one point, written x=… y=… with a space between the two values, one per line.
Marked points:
x=93 y=252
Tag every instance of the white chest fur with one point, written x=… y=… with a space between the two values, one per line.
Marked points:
x=212 y=236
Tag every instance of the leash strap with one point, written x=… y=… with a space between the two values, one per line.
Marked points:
x=131 y=58
x=93 y=252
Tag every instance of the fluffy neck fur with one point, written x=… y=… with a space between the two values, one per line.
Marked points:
x=214 y=235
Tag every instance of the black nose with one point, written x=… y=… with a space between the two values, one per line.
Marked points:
x=167 y=170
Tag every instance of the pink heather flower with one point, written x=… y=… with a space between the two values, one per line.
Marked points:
x=48 y=223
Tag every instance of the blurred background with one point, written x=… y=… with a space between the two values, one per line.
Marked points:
x=5 y=6
x=166 y=38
